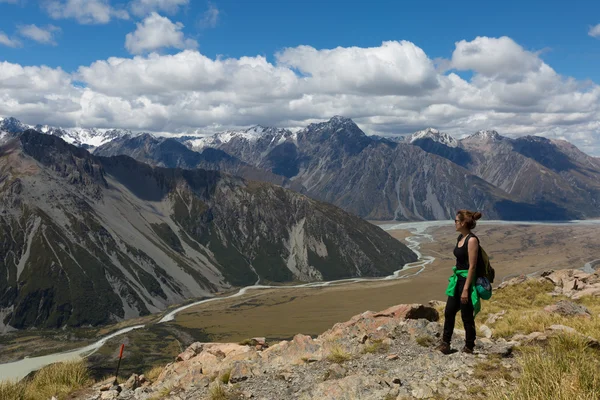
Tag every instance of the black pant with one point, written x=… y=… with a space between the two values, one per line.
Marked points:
x=466 y=312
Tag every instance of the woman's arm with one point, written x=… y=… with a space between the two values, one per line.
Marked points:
x=473 y=247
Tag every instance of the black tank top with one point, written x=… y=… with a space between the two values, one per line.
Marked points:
x=462 y=253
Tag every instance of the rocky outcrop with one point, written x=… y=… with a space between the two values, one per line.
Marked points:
x=374 y=355
x=572 y=283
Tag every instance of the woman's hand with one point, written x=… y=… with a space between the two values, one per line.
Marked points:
x=464 y=298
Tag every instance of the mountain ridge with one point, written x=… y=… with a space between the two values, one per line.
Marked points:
x=141 y=238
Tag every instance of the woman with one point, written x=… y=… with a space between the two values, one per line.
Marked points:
x=461 y=293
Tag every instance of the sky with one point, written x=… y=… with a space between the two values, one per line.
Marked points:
x=172 y=66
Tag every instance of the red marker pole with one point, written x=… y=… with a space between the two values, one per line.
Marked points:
x=119 y=363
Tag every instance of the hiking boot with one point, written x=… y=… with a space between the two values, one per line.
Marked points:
x=444 y=348
x=468 y=350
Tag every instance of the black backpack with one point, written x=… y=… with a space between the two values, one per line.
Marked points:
x=484 y=267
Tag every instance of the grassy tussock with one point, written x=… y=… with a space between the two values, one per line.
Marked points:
x=54 y=380
x=376 y=346
x=425 y=340
x=153 y=373
x=338 y=355
x=562 y=369
x=225 y=375
x=565 y=369
x=218 y=392
x=524 y=305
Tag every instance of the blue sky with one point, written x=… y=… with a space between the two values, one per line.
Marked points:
x=558 y=28
x=536 y=73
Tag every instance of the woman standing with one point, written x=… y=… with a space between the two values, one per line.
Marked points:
x=461 y=292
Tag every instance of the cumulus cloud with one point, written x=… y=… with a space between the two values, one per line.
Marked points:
x=7 y=41
x=210 y=18
x=594 y=31
x=499 y=58
x=40 y=35
x=157 y=32
x=390 y=89
x=84 y=11
x=393 y=68
x=142 y=8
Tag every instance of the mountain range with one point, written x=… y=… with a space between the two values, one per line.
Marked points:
x=424 y=176
x=86 y=240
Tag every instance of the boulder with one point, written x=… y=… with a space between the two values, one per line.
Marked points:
x=568 y=309
x=410 y=311
x=132 y=383
x=335 y=371
x=241 y=371
x=486 y=331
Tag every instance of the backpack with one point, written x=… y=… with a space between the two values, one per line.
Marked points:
x=484 y=273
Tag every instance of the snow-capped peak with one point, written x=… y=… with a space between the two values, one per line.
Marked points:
x=13 y=125
x=487 y=135
x=435 y=135
x=251 y=134
x=77 y=136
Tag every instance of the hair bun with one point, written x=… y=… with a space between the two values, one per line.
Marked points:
x=476 y=215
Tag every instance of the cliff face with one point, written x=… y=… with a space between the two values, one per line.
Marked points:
x=87 y=240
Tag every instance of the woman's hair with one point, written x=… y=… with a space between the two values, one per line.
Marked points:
x=468 y=217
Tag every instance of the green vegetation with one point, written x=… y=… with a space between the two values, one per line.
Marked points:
x=218 y=392
x=338 y=355
x=165 y=232
x=425 y=340
x=54 y=380
x=269 y=264
x=524 y=306
x=225 y=375
x=491 y=370
x=565 y=369
x=376 y=346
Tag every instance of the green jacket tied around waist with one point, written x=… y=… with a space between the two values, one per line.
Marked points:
x=452 y=287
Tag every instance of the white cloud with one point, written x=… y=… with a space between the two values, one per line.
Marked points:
x=157 y=32
x=84 y=11
x=210 y=18
x=394 y=68
x=142 y=8
x=595 y=31
x=500 y=58
x=393 y=88
x=6 y=41
x=40 y=35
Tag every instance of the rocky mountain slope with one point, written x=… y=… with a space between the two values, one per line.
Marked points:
x=82 y=137
x=378 y=178
x=391 y=355
x=551 y=173
x=170 y=153
x=87 y=240
x=529 y=178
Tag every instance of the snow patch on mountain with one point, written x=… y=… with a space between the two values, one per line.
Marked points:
x=251 y=135
x=486 y=135
x=435 y=135
x=76 y=136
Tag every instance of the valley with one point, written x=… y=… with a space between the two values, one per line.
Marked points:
x=280 y=313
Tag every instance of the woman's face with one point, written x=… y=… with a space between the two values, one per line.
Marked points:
x=457 y=223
